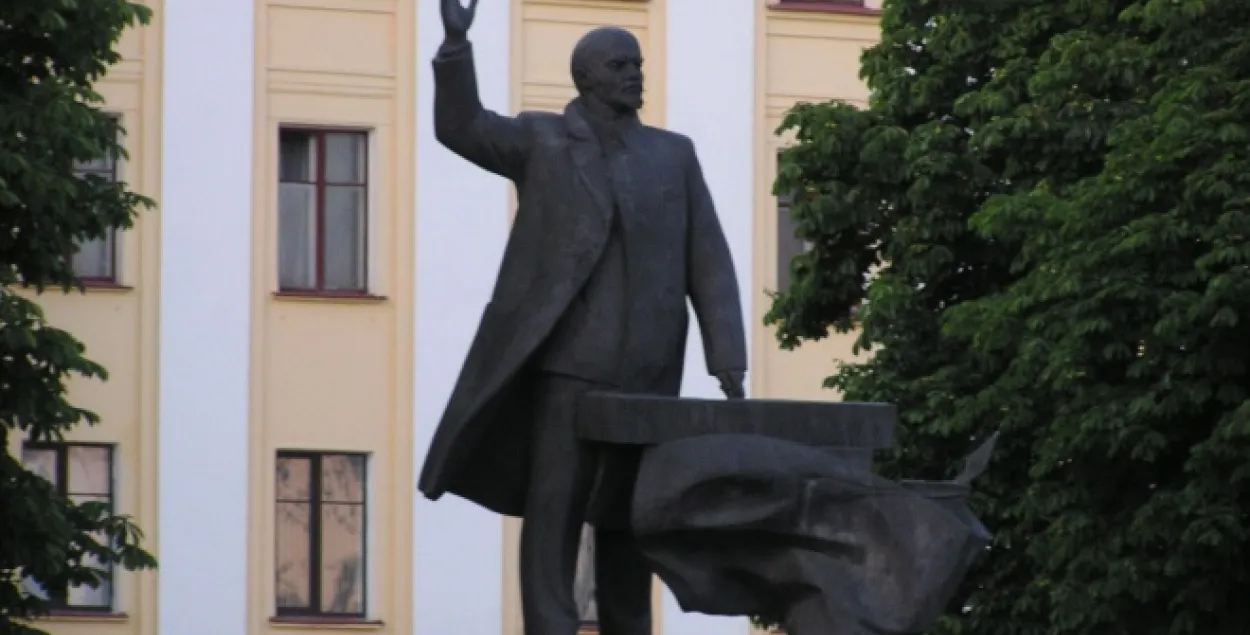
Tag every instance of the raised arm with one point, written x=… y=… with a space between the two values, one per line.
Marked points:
x=487 y=139
x=712 y=283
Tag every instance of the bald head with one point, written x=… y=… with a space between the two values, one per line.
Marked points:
x=607 y=66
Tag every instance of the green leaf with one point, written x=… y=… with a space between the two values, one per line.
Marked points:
x=50 y=118
x=1045 y=211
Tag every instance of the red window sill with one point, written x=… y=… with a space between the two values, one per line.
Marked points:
x=325 y=622
x=827 y=6
x=73 y=615
x=328 y=296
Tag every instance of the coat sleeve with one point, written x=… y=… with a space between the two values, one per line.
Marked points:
x=711 y=281
x=491 y=141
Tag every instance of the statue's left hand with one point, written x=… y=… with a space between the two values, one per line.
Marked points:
x=731 y=383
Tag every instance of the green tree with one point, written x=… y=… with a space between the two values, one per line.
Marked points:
x=51 y=54
x=1043 y=216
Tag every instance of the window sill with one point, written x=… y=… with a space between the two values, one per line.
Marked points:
x=329 y=296
x=325 y=623
x=106 y=286
x=829 y=6
x=71 y=615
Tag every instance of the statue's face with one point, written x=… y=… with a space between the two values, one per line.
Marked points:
x=613 y=69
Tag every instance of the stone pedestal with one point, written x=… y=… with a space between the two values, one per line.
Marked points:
x=770 y=508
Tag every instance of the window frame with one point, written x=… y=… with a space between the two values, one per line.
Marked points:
x=788 y=245
x=61 y=605
x=314 y=610
x=319 y=184
x=854 y=7
x=112 y=279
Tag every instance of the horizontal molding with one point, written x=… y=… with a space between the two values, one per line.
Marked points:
x=823 y=25
x=319 y=83
x=353 y=6
x=633 y=15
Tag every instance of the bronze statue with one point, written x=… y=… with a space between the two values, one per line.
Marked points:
x=566 y=409
x=615 y=231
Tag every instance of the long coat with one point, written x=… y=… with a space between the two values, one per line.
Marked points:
x=481 y=449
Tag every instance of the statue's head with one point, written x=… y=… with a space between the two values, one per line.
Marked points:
x=607 y=67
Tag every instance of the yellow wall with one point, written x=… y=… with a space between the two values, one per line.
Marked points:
x=337 y=374
x=118 y=325
x=802 y=57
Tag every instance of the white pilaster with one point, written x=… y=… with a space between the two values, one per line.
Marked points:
x=206 y=265
x=461 y=228
x=711 y=99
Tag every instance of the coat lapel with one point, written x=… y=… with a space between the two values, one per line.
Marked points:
x=592 y=170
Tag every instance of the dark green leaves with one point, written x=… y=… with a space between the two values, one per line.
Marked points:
x=51 y=53
x=1046 y=207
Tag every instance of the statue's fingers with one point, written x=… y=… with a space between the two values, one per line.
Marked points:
x=472 y=7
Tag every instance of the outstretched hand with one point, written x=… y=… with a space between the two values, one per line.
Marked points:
x=731 y=383
x=457 y=19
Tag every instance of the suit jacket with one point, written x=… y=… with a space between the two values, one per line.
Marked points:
x=481 y=448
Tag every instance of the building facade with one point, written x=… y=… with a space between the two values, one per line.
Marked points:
x=283 y=332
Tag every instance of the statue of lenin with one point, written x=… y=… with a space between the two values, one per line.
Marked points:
x=615 y=230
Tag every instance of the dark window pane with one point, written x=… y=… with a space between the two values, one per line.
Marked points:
x=294 y=478
x=42 y=462
x=90 y=470
x=343 y=478
x=342 y=558
x=788 y=245
x=103 y=166
x=297 y=156
x=294 y=541
x=34 y=588
x=94 y=258
x=345 y=158
x=85 y=596
x=344 y=233
x=297 y=236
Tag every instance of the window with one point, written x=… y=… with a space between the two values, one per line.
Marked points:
x=95 y=261
x=322 y=216
x=320 y=569
x=818 y=4
x=83 y=472
x=789 y=246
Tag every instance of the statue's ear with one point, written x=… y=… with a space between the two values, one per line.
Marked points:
x=581 y=79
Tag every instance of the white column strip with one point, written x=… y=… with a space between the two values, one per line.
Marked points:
x=711 y=99
x=206 y=273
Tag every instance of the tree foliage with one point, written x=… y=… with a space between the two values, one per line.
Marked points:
x=51 y=54
x=1044 y=212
